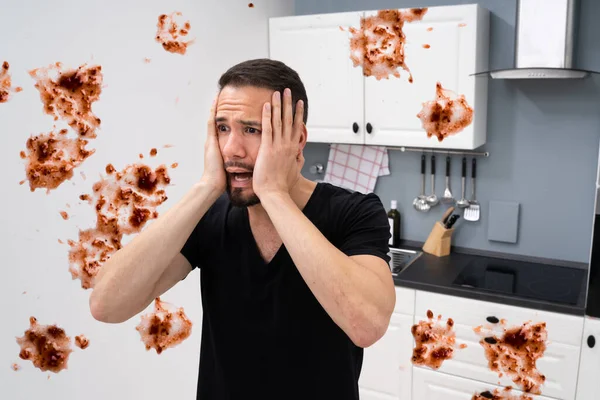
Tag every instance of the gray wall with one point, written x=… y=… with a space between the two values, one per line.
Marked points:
x=543 y=138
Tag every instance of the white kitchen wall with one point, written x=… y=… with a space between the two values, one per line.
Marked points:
x=142 y=106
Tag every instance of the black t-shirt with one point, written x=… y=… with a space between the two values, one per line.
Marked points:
x=264 y=335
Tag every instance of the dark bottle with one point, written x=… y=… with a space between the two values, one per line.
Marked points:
x=394 y=220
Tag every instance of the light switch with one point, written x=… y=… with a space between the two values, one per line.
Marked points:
x=503 y=221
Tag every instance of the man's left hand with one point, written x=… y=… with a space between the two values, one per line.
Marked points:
x=279 y=161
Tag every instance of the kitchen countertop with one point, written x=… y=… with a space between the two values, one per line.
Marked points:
x=438 y=274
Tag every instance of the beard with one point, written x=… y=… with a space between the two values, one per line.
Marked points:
x=236 y=195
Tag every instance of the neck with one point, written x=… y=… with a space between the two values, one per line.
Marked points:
x=300 y=194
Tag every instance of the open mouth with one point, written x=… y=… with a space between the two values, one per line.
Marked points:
x=241 y=176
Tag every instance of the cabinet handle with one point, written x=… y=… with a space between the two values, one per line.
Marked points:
x=369 y=127
x=492 y=320
x=591 y=341
x=355 y=127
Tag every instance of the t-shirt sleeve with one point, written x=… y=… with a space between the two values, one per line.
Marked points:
x=366 y=228
x=202 y=239
x=193 y=248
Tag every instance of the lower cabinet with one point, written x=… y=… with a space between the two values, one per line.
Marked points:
x=434 y=385
x=588 y=384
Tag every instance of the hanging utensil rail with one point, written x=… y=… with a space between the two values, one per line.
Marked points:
x=425 y=150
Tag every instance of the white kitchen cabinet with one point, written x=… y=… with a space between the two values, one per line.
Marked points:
x=316 y=48
x=559 y=363
x=432 y=385
x=588 y=382
x=448 y=45
x=387 y=367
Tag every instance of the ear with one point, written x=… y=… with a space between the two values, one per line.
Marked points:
x=302 y=139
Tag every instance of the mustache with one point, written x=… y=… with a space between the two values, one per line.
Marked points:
x=237 y=164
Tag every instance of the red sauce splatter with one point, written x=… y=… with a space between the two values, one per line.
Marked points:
x=435 y=342
x=378 y=46
x=446 y=115
x=497 y=394
x=69 y=95
x=82 y=342
x=153 y=152
x=6 y=83
x=124 y=202
x=85 y=197
x=52 y=157
x=426 y=46
x=174 y=165
x=515 y=352
x=141 y=156
x=15 y=367
x=172 y=31
x=46 y=346
x=166 y=327
x=64 y=215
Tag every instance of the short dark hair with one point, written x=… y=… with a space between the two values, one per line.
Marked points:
x=268 y=74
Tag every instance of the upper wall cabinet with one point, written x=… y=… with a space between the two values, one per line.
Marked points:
x=396 y=77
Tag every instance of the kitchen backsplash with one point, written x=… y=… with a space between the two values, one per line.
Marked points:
x=543 y=139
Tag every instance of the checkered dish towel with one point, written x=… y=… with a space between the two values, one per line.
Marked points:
x=356 y=167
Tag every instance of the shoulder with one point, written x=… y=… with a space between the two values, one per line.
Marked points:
x=343 y=201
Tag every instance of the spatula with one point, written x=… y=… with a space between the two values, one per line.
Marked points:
x=472 y=212
x=447 y=198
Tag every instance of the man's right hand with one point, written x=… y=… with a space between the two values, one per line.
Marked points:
x=214 y=172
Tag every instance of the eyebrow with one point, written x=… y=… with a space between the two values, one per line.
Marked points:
x=255 y=124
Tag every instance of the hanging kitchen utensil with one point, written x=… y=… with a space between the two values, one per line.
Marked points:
x=420 y=203
x=472 y=212
x=463 y=202
x=447 y=198
x=432 y=199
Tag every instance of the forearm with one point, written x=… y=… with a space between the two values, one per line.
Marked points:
x=127 y=280
x=349 y=292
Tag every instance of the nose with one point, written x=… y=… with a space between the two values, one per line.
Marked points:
x=233 y=146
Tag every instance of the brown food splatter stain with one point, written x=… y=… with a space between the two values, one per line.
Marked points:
x=172 y=31
x=52 y=157
x=251 y=5
x=515 y=353
x=141 y=156
x=46 y=346
x=82 y=342
x=166 y=327
x=166 y=146
x=497 y=394
x=15 y=367
x=64 y=215
x=60 y=241
x=429 y=29
x=447 y=115
x=378 y=45
x=174 y=165
x=69 y=95
x=435 y=342
x=147 y=60
x=153 y=152
x=426 y=46
x=6 y=83
x=462 y=25
x=124 y=202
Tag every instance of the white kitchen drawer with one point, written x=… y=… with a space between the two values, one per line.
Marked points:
x=405 y=301
x=559 y=363
x=588 y=384
x=432 y=385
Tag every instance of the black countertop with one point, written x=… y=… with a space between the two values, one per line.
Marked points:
x=529 y=284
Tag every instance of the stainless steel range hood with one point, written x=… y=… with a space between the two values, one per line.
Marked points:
x=545 y=42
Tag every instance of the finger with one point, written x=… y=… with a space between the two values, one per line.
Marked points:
x=211 y=128
x=276 y=117
x=267 y=129
x=298 y=121
x=287 y=115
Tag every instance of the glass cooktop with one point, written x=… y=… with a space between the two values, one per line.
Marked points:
x=536 y=281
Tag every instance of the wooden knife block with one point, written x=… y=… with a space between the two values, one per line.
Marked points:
x=439 y=241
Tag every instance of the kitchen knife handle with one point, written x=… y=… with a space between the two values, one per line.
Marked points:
x=474 y=168
x=448 y=166
x=423 y=164
x=432 y=165
x=464 y=167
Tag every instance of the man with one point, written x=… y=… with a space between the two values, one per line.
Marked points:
x=294 y=275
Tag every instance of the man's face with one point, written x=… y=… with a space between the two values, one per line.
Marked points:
x=239 y=128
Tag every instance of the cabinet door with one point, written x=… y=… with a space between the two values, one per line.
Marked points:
x=559 y=362
x=387 y=368
x=588 y=385
x=319 y=51
x=431 y=385
x=446 y=46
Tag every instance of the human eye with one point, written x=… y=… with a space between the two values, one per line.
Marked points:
x=221 y=128
x=252 y=131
